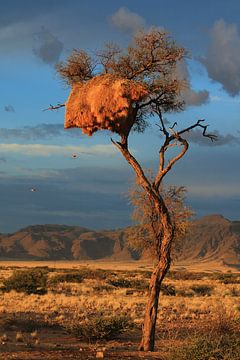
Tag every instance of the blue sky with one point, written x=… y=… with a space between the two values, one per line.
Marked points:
x=35 y=150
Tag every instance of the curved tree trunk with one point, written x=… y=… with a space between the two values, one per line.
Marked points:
x=159 y=272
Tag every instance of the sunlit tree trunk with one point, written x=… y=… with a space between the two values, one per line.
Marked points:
x=158 y=274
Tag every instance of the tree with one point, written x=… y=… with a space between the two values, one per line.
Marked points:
x=120 y=90
x=142 y=236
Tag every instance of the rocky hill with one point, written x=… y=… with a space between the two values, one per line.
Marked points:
x=212 y=238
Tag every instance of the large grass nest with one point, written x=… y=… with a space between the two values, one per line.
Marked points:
x=105 y=102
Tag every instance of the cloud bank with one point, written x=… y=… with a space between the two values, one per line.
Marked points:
x=49 y=150
x=222 y=57
x=228 y=139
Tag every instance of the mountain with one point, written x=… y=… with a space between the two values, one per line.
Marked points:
x=212 y=238
x=61 y=242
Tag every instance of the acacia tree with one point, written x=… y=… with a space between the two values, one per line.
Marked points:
x=103 y=97
x=141 y=237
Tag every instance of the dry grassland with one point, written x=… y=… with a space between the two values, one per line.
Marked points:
x=86 y=310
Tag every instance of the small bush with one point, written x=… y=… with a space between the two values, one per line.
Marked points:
x=73 y=277
x=126 y=283
x=101 y=288
x=226 y=347
x=33 y=281
x=100 y=327
x=185 y=275
x=227 y=278
x=120 y=283
x=202 y=290
x=168 y=289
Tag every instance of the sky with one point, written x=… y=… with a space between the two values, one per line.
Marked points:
x=90 y=190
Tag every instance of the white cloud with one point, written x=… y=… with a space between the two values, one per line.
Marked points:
x=127 y=21
x=48 y=150
x=213 y=190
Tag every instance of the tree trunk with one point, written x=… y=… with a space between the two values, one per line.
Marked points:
x=161 y=269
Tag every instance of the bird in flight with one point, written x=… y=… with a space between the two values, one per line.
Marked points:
x=33 y=189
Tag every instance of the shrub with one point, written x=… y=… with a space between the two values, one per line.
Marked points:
x=126 y=283
x=33 y=281
x=71 y=277
x=168 y=289
x=103 y=288
x=185 y=275
x=98 y=327
x=120 y=283
x=227 y=278
x=226 y=347
x=202 y=290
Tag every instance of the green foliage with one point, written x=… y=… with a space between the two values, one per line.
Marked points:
x=33 y=281
x=211 y=347
x=99 y=327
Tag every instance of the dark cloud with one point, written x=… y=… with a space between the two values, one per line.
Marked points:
x=73 y=197
x=223 y=54
x=195 y=98
x=9 y=108
x=190 y=96
x=127 y=21
x=197 y=137
x=47 y=47
x=41 y=131
x=3 y=159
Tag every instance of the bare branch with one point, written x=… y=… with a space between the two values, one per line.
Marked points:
x=54 y=107
x=212 y=137
x=164 y=170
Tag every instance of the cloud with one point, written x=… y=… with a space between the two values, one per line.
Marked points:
x=2 y=159
x=228 y=139
x=127 y=21
x=75 y=197
x=48 y=150
x=41 y=131
x=191 y=97
x=222 y=57
x=47 y=47
x=9 y=108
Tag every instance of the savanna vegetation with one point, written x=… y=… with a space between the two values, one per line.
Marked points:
x=85 y=312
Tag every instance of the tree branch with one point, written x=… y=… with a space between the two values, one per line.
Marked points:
x=176 y=135
x=54 y=107
x=204 y=127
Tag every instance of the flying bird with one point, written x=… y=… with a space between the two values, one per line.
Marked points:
x=33 y=189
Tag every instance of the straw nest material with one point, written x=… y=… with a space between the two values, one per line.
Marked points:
x=104 y=102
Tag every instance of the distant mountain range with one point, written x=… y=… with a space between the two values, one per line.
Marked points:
x=212 y=238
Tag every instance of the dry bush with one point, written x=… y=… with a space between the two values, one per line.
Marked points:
x=225 y=347
x=32 y=281
x=98 y=326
